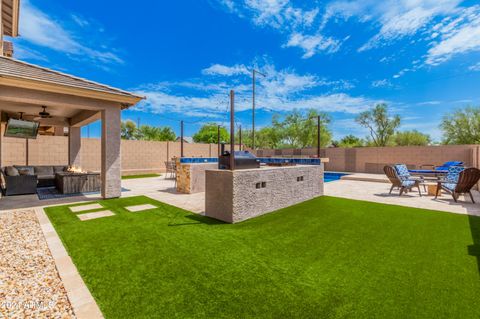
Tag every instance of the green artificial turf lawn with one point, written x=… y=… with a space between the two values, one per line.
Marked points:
x=140 y=176
x=325 y=258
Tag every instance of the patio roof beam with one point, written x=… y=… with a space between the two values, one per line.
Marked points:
x=34 y=97
x=84 y=118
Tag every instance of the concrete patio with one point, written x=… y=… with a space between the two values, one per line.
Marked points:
x=162 y=189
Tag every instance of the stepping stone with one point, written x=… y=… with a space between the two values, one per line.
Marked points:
x=95 y=215
x=83 y=208
x=139 y=208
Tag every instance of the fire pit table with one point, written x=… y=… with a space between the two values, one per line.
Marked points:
x=73 y=182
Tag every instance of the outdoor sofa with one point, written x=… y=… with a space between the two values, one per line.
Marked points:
x=437 y=170
x=23 y=179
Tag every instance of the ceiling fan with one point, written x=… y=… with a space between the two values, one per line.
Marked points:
x=43 y=114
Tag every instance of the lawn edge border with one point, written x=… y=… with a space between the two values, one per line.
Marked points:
x=82 y=301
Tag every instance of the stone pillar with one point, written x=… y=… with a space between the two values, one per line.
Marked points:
x=111 y=157
x=74 y=145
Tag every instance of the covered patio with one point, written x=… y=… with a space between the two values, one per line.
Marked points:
x=62 y=104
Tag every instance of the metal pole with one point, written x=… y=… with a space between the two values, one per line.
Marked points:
x=253 y=109
x=253 y=105
x=240 y=137
x=218 y=140
x=181 y=138
x=318 y=136
x=27 y=151
x=232 y=130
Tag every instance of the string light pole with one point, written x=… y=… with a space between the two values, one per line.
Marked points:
x=318 y=136
x=218 y=140
x=240 y=137
x=181 y=138
x=232 y=130
x=253 y=105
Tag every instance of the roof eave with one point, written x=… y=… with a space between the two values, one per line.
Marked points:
x=125 y=100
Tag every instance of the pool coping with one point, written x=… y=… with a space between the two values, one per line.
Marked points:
x=83 y=304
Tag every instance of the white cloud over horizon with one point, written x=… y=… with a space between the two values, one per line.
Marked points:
x=281 y=91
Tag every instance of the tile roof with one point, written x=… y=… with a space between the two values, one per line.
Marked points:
x=18 y=69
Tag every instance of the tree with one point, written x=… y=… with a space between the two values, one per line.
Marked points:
x=152 y=133
x=208 y=134
x=381 y=126
x=128 y=130
x=269 y=137
x=462 y=127
x=351 y=141
x=266 y=137
x=299 y=130
x=409 y=138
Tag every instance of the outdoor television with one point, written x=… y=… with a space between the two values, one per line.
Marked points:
x=21 y=129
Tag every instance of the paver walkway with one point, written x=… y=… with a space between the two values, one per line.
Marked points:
x=95 y=215
x=83 y=208
x=140 y=208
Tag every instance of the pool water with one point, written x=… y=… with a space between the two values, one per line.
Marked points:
x=331 y=176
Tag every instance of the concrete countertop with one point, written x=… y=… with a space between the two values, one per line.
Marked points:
x=262 y=168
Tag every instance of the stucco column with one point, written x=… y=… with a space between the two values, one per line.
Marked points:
x=74 y=145
x=111 y=160
x=1 y=139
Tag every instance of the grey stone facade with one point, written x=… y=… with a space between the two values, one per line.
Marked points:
x=234 y=196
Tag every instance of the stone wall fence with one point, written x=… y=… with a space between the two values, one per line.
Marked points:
x=150 y=156
x=373 y=159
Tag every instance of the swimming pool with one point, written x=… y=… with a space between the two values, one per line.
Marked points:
x=332 y=176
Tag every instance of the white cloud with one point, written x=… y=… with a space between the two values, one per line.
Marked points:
x=474 y=67
x=219 y=69
x=381 y=83
x=281 y=90
x=298 y=24
x=459 y=36
x=38 y=28
x=20 y=52
x=395 y=18
x=312 y=44
x=80 y=21
x=446 y=27
x=279 y=14
x=429 y=103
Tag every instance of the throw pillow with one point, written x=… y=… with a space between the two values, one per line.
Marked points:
x=24 y=171
x=11 y=171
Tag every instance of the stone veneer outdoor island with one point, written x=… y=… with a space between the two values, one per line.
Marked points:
x=234 y=196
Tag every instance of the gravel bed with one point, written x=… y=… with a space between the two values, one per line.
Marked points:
x=30 y=286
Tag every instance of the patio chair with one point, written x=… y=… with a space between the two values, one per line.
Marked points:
x=397 y=181
x=171 y=167
x=458 y=181
x=404 y=174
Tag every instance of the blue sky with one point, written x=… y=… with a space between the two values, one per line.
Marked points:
x=341 y=57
